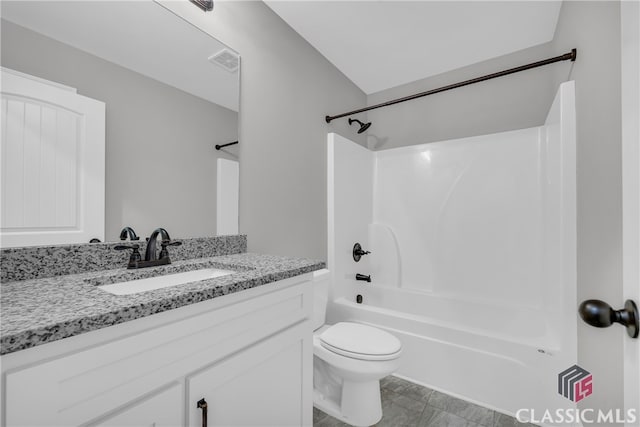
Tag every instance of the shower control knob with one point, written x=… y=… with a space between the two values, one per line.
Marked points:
x=600 y=314
x=358 y=252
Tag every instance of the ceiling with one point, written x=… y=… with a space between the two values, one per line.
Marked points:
x=140 y=35
x=383 y=44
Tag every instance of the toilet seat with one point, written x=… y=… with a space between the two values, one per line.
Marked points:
x=362 y=342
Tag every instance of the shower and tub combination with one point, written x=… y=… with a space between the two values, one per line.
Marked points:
x=473 y=257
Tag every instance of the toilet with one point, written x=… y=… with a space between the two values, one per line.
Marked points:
x=349 y=359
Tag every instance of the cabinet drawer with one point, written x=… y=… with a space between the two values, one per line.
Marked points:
x=83 y=386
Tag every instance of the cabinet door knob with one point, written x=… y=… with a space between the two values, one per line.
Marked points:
x=202 y=404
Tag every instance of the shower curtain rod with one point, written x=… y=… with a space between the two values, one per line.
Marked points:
x=225 y=145
x=567 y=56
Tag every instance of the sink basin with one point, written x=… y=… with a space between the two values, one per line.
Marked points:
x=159 y=282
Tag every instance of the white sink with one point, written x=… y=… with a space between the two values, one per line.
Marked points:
x=159 y=282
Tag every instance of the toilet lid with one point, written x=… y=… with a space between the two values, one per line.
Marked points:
x=360 y=341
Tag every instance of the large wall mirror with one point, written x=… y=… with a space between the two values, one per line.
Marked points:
x=171 y=93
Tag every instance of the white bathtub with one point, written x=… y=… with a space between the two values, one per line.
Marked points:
x=497 y=357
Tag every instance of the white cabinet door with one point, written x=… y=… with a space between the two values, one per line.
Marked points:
x=264 y=385
x=163 y=409
x=52 y=163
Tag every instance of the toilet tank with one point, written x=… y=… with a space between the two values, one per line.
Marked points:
x=321 y=282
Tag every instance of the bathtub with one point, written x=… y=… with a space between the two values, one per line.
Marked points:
x=472 y=257
x=504 y=359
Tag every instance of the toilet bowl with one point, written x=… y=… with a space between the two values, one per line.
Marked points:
x=349 y=361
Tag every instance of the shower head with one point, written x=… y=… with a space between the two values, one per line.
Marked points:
x=363 y=126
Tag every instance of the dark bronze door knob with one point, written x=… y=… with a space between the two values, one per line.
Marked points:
x=600 y=314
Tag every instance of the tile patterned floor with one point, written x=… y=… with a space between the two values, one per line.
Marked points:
x=408 y=404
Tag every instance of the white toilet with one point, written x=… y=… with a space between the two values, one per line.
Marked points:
x=349 y=359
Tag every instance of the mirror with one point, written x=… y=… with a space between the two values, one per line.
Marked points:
x=169 y=100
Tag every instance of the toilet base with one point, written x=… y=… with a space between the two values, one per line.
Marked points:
x=360 y=404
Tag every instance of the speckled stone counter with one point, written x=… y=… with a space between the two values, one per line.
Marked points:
x=37 y=262
x=38 y=311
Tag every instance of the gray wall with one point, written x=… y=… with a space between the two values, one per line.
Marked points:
x=286 y=89
x=594 y=28
x=512 y=102
x=160 y=159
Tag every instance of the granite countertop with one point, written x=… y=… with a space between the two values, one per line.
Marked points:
x=39 y=311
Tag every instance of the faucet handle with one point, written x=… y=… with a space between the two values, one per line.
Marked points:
x=164 y=253
x=135 y=255
x=358 y=252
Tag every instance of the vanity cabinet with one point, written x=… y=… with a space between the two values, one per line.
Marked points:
x=248 y=354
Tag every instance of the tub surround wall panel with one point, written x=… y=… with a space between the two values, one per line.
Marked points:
x=38 y=262
x=559 y=213
x=286 y=89
x=468 y=216
x=350 y=210
x=480 y=218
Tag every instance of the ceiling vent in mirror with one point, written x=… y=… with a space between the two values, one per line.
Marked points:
x=227 y=59
x=206 y=5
